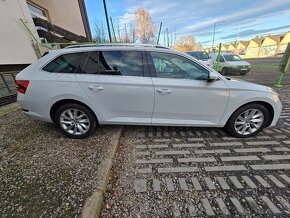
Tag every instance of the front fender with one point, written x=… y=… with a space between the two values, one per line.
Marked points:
x=239 y=98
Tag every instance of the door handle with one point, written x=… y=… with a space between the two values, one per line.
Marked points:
x=164 y=91
x=96 y=88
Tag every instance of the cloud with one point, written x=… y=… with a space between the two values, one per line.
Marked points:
x=252 y=32
x=198 y=17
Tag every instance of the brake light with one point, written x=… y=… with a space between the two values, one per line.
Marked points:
x=22 y=85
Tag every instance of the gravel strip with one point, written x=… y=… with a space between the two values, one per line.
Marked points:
x=43 y=173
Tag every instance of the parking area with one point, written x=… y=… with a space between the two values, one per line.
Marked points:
x=158 y=171
x=183 y=172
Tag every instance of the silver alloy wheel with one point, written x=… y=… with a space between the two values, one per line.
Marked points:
x=74 y=121
x=249 y=121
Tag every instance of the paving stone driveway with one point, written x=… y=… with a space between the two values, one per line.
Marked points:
x=183 y=172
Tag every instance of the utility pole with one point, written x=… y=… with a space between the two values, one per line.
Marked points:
x=107 y=20
x=119 y=35
x=214 y=26
x=113 y=29
x=164 y=38
x=238 y=35
x=167 y=37
x=159 y=33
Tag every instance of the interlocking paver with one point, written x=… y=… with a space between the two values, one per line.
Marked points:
x=176 y=152
x=263 y=143
x=271 y=205
x=196 y=145
x=153 y=161
x=241 y=158
x=252 y=150
x=263 y=181
x=271 y=167
x=197 y=159
x=207 y=207
x=226 y=168
x=223 y=207
x=238 y=206
x=177 y=169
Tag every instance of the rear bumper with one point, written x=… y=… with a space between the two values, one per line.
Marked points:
x=34 y=107
x=36 y=116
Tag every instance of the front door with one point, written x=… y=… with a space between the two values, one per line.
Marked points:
x=114 y=81
x=183 y=96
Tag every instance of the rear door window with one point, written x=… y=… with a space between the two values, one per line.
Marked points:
x=123 y=63
x=66 y=63
x=89 y=65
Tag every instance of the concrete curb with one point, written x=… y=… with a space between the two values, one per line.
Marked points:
x=93 y=205
x=8 y=108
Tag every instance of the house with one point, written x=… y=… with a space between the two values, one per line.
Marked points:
x=269 y=46
x=224 y=47
x=25 y=28
x=283 y=44
x=231 y=48
x=26 y=23
x=253 y=47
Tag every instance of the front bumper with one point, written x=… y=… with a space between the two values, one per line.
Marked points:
x=236 y=70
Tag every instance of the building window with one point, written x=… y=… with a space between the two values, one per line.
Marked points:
x=37 y=11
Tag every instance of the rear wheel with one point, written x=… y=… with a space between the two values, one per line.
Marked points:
x=75 y=120
x=247 y=121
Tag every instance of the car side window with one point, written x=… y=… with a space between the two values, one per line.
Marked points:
x=125 y=63
x=221 y=59
x=177 y=67
x=66 y=63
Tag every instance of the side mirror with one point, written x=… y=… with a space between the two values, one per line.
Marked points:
x=212 y=77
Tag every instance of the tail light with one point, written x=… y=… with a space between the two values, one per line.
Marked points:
x=22 y=85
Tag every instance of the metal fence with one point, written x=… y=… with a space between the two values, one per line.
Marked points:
x=8 y=88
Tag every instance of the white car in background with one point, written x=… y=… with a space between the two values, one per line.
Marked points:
x=231 y=64
x=202 y=56
x=81 y=87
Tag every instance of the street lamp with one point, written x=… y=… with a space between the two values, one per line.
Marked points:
x=214 y=30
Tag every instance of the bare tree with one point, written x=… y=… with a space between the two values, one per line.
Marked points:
x=187 y=43
x=145 y=29
x=100 y=34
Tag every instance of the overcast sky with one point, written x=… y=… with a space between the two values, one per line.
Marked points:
x=197 y=17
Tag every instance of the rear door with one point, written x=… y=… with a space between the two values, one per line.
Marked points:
x=117 y=83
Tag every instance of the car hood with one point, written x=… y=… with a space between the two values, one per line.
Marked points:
x=235 y=84
x=237 y=63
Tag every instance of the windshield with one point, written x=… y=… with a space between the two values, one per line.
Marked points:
x=232 y=58
x=202 y=55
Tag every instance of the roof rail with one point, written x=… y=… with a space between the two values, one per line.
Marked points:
x=117 y=44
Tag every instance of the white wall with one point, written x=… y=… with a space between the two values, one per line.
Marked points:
x=15 y=42
x=64 y=13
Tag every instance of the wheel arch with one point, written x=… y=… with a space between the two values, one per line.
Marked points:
x=58 y=103
x=267 y=105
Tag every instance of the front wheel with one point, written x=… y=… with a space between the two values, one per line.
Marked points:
x=224 y=71
x=75 y=120
x=247 y=121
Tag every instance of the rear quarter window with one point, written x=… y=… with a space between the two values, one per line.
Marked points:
x=66 y=63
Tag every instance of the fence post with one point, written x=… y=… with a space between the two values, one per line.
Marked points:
x=218 y=58
x=283 y=66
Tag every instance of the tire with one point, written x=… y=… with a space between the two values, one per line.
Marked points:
x=244 y=73
x=225 y=71
x=235 y=124
x=75 y=120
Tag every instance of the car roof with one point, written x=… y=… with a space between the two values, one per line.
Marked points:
x=113 y=47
